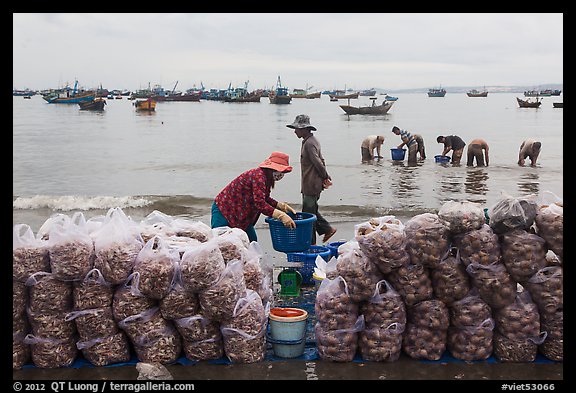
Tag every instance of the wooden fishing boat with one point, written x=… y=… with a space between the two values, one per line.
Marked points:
x=96 y=104
x=344 y=96
x=558 y=104
x=280 y=95
x=368 y=110
x=476 y=93
x=529 y=104
x=195 y=96
x=65 y=96
x=314 y=95
x=148 y=104
x=436 y=92
x=390 y=98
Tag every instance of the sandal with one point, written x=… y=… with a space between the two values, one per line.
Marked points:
x=328 y=235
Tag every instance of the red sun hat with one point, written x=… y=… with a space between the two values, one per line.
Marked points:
x=277 y=161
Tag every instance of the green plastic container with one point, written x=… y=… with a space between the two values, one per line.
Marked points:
x=290 y=281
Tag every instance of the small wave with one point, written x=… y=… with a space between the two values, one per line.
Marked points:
x=75 y=202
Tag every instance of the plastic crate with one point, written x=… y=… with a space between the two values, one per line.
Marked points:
x=292 y=240
x=308 y=259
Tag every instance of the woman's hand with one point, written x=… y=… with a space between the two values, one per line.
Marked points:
x=285 y=207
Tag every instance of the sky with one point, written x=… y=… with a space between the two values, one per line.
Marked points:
x=321 y=51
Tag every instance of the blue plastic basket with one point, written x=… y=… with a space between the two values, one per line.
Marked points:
x=398 y=154
x=308 y=259
x=292 y=240
x=441 y=159
x=333 y=247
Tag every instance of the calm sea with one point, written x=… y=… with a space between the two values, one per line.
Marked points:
x=177 y=159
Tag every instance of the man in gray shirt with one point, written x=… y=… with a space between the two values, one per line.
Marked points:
x=315 y=178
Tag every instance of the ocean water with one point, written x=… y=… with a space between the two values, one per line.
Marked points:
x=178 y=158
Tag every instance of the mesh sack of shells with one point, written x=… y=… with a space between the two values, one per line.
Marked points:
x=471 y=342
x=360 y=274
x=494 y=283
x=29 y=254
x=243 y=347
x=423 y=343
x=520 y=319
x=92 y=292
x=103 y=351
x=517 y=351
x=198 y=328
x=192 y=229
x=71 y=249
x=381 y=344
x=511 y=213
x=338 y=345
x=523 y=254
x=116 y=246
x=553 y=325
x=162 y=346
x=20 y=350
x=51 y=352
x=450 y=280
x=385 y=308
x=546 y=289
x=431 y=314
x=469 y=311
x=385 y=244
x=154 y=268
x=209 y=349
x=550 y=226
x=93 y=323
x=51 y=325
x=427 y=239
x=48 y=294
x=412 y=282
x=461 y=216
x=219 y=300
x=19 y=298
x=480 y=246
x=334 y=307
x=201 y=266
x=179 y=302
x=129 y=301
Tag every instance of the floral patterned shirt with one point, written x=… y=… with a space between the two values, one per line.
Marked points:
x=244 y=198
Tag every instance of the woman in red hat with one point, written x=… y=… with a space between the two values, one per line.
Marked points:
x=241 y=202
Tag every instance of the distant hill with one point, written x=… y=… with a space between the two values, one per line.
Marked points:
x=464 y=89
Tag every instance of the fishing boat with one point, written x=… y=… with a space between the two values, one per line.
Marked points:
x=436 y=92
x=531 y=93
x=477 y=93
x=23 y=93
x=303 y=93
x=241 y=94
x=148 y=104
x=313 y=95
x=368 y=93
x=96 y=104
x=65 y=96
x=390 y=98
x=280 y=95
x=529 y=104
x=340 y=96
x=368 y=110
x=188 y=96
x=558 y=104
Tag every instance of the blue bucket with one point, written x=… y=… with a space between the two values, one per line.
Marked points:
x=398 y=154
x=442 y=159
x=333 y=247
x=287 y=331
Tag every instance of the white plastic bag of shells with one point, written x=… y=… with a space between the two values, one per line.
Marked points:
x=546 y=289
x=245 y=333
x=155 y=267
x=426 y=331
x=462 y=216
x=253 y=273
x=470 y=311
x=237 y=232
x=51 y=352
x=553 y=325
x=163 y=345
x=19 y=304
x=381 y=344
x=481 y=246
x=20 y=350
x=427 y=239
x=513 y=213
x=334 y=307
x=523 y=253
x=413 y=282
x=450 y=280
x=360 y=274
x=201 y=337
x=384 y=308
x=494 y=283
x=29 y=254
x=550 y=222
x=92 y=292
x=338 y=345
x=102 y=351
x=518 y=332
x=201 y=266
x=383 y=241
x=155 y=224
x=48 y=294
x=128 y=301
x=179 y=302
x=71 y=249
x=116 y=245
x=471 y=342
x=188 y=228
x=219 y=300
x=232 y=244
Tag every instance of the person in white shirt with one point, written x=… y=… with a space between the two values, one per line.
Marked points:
x=370 y=143
x=529 y=148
